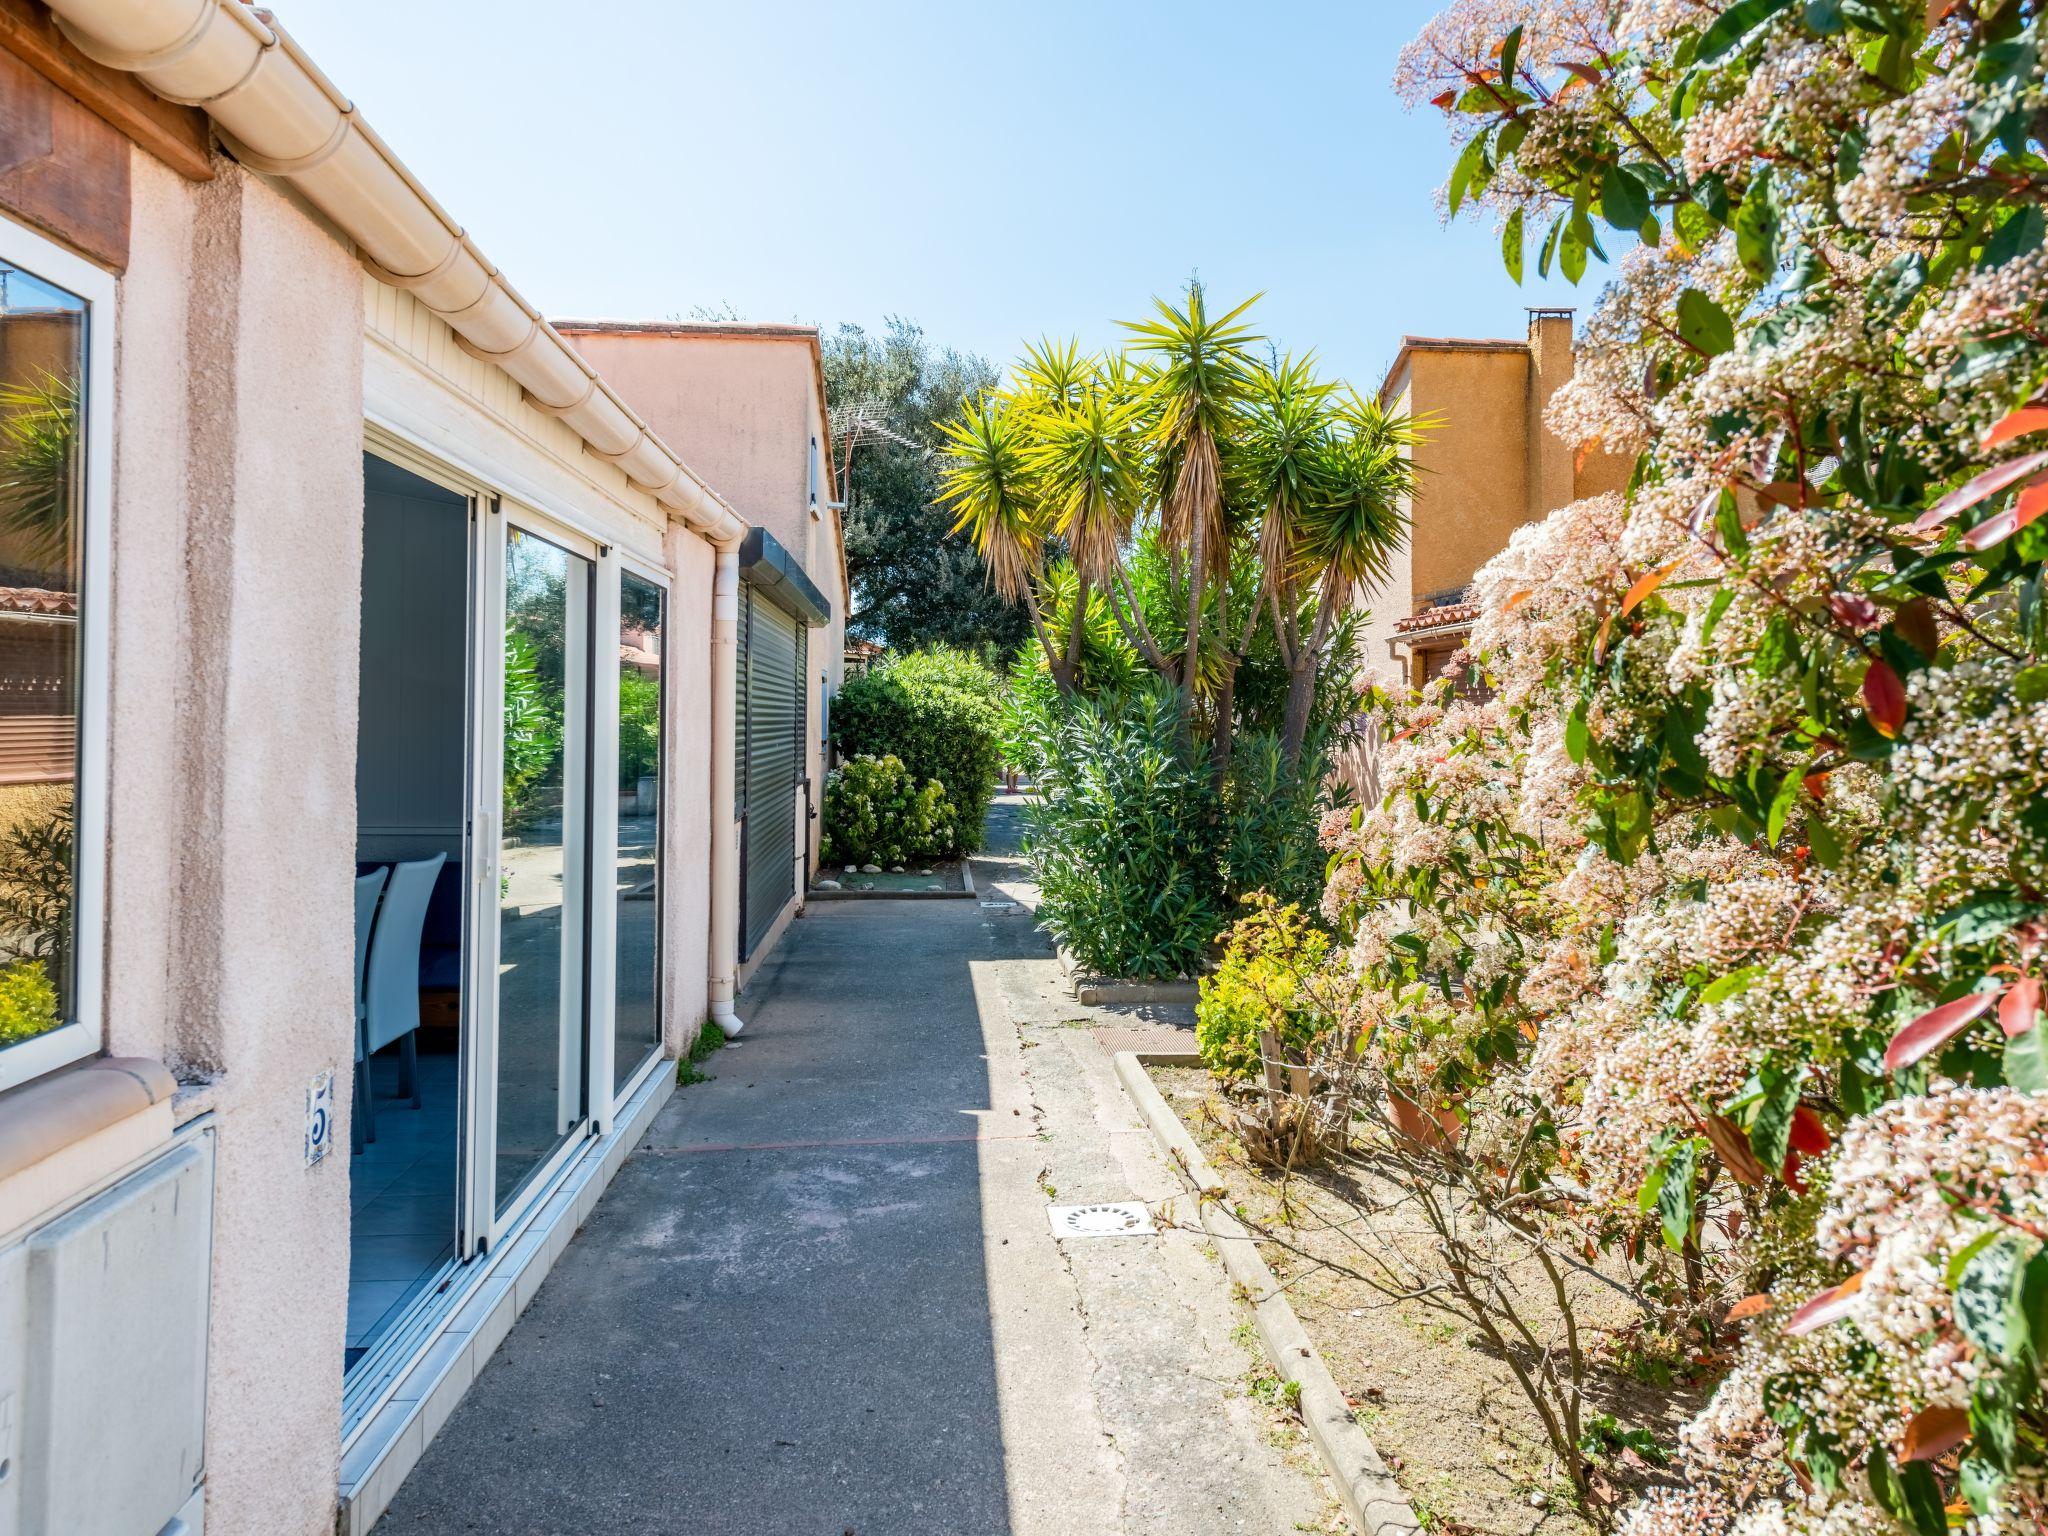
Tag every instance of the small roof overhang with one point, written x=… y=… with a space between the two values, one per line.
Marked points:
x=772 y=571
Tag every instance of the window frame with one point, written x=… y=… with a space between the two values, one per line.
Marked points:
x=84 y=1034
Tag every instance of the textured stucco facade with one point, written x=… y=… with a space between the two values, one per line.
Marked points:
x=745 y=404
x=1486 y=465
x=237 y=509
x=252 y=352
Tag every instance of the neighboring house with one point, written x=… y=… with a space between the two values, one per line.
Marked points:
x=745 y=404
x=341 y=599
x=1487 y=466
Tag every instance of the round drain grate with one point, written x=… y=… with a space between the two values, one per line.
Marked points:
x=1120 y=1218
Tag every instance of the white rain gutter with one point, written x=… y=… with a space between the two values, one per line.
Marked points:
x=284 y=118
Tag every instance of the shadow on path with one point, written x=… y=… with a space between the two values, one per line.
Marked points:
x=778 y=1319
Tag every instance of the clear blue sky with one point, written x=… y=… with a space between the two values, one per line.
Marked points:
x=994 y=172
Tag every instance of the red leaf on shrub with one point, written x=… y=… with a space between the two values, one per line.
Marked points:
x=1749 y=1306
x=1884 y=698
x=1934 y=1432
x=1731 y=1143
x=1809 y=1134
x=1790 y=1173
x=2033 y=501
x=1989 y=483
x=1914 y=624
x=2021 y=1007
x=1829 y=1306
x=1855 y=610
x=2031 y=418
x=1647 y=583
x=1444 y=99
x=1935 y=1028
x=1817 y=784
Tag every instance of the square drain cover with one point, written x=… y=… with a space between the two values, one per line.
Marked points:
x=1120 y=1218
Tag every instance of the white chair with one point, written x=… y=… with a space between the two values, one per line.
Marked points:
x=368 y=888
x=391 y=989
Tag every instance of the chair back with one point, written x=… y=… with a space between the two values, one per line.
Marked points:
x=368 y=888
x=391 y=987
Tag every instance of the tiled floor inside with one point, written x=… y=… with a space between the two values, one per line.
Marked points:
x=401 y=1195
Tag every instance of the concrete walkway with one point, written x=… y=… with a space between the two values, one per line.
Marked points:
x=823 y=1298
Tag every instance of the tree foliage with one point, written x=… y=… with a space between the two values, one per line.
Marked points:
x=914 y=582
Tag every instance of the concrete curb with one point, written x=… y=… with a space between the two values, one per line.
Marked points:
x=1109 y=991
x=965 y=893
x=1368 y=1491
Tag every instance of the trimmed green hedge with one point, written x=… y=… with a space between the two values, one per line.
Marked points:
x=938 y=711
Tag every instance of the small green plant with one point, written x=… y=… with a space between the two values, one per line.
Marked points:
x=1258 y=986
x=877 y=813
x=1605 y=1438
x=710 y=1039
x=28 y=1002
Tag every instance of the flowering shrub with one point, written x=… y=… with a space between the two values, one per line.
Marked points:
x=876 y=813
x=1257 y=986
x=1724 y=910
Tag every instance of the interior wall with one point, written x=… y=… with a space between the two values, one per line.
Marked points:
x=411 y=729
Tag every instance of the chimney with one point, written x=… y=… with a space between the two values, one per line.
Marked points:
x=1550 y=478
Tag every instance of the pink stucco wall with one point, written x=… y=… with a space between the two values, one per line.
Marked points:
x=238 y=515
x=741 y=404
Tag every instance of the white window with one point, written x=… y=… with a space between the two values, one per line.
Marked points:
x=56 y=458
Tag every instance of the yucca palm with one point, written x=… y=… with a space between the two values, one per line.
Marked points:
x=989 y=487
x=1361 y=476
x=1194 y=389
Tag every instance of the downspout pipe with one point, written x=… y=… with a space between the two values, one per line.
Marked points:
x=284 y=118
x=725 y=832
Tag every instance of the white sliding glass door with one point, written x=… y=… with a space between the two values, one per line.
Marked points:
x=534 y=821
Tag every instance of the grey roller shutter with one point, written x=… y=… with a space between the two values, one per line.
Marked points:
x=769 y=741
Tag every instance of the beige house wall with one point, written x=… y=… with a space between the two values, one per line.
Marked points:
x=237 y=529
x=1487 y=465
x=742 y=404
x=251 y=349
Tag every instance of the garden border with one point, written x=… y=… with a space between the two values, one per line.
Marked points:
x=1369 y=1492
x=1109 y=991
x=965 y=893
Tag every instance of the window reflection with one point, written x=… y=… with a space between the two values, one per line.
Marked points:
x=636 y=1021
x=42 y=381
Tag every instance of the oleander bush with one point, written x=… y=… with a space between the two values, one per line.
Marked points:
x=937 y=711
x=876 y=812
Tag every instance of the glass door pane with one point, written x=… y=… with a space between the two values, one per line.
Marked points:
x=543 y=856
x=636 y=1019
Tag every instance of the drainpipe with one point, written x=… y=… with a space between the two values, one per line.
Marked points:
x=725 y=841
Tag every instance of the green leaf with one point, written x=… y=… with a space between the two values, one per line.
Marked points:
x=1675 y=1199
x=2030 y=684
x=1623 y=202
x=1571 y=253
x=1704 y=324
x=1770 y=1132
x=1471 y=163
x=1511 y=242
x=1733 y=25
x=1960 y=1261
x=1510 y=51
x=1781 y=807
x=1543 y=258
x=2026 y=1061
x=1728 y=522
x=1988 y=1295
x=1824 y=841
x=2016 y=237
x=1578 y=737
x=1756 y=228
x=1986 y=917
x=1727 y=986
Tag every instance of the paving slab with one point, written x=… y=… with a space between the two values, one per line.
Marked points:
x=823 y=1297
